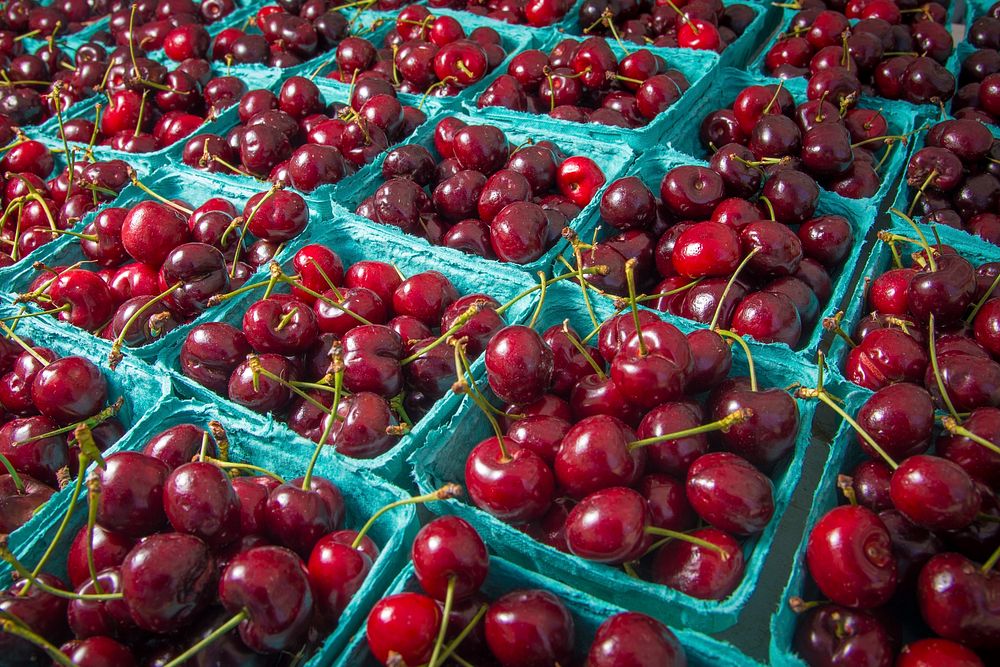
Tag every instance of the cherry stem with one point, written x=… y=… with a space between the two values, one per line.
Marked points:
x=923 y=239
x=846 y=485
x=337 y=365
x=466 y=384
x=824 y=397
x=832 y=324
x=286 y=318
x=115 y=356
x=444 y=493
x=634 y=304
x=460 y=322
x=38 y=313
x=951 y=425
x=246 y=223
x=91 y=422
x=799 y=606
x=326 y=278
x=541 y=300
x=769 y=205
x=991 y=561
x=232 y=465
x=732 y=419
x=979 y=304
x=457 y=641
x=574 y=341
x=216 y=634
x=725 y=333
x=729 y=286
x=18 y=482
x=160 y=198
x=25 y=633
x=659 y=295
x=93 y=496
x=684 y=537
x=774 y=98
x=142 y=113
x=602 y=270
x=937 y=370
x=449 y=599
x=920 y=191
x=27 y=348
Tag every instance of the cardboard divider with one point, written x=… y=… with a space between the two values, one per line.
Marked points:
x=442 y=455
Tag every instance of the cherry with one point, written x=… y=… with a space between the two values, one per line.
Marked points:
x=131 y=499
x=199 y=499
x=634 y=639
x=829 y=633
x=43 y=612
x=18 y=505
x=519 y=364
x=927 y=652
x=955 y=600
x=42 y=457
x=298 y=516
x=595 y=454
x=151 y=230
x=97 y=652
x=510 y=482
x=449 y=556
x=698 y=571
x=608 y=526
x=211 y=352
x=529 y=627
x=166 y=580
x=934 y=493
x=405 y=624
x=900 y=418
x=770 y=431
x=849 y=555
x=729 y=493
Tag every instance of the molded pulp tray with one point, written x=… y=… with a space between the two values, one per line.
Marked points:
x=255 y=442
x=861 y=214
x=354 y=242
x=441 y=458
x=612 y=159
x=588 y=613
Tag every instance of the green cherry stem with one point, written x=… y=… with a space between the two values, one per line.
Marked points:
x=724 y=424
x=937 y=370
x=18 y=482
x=70 y=508
x=725 y=333
x=449 y=599
x=729 y=286
x=216 y=634
x=27 y=635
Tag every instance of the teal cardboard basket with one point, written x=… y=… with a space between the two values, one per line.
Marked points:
x=187 y=185
x=441 y=458
x=652 y=166
x=901 y=118
x=738 y=54
x=255 y=442
x=588 y=614
x=880 y=260
x=142 y=390
x=354 y=242
x=699 y=67
x=612 y=159
x=844 y=455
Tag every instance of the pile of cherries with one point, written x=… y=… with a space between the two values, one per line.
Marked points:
x=365 y=338
x=955 y=179
x=607 y=449
x=584 y=82
x=691 y=24
x=839 y=147
x=711 y=249
x=38 y=20
x=53 y=408
x=290 y=33
x=526 y=626
x=485 y=198
x=978 y=95
x=295 y=137
x=423 y=55
x=879 y=54
x=941 y=293
x=32 y=95
x=178 y=560
x=920 y=532
x=177 y=25
x=535 y=13
x=155 y=265
x=36 y=210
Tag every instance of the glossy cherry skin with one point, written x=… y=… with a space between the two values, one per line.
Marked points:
x=768 y=434
x=297 y=518
x=849 y=554
x=199 y=499
x=594 y=454
x=151 y=230
x=900 y=418
x=449 y=548
x=69 y=390
x=730 y=494
x=167 y=579
x=958 y=601
x=87 y=298
x=262 y=325
x=405 y=624
x=176 y=445
x=516 y=490
x=631 y=638
x=41 y=458
x=211 y=352
x=979 y=462
x=270 y=584
x=933 y=651
x=519 y=365
x=697 y=571
x=371 y=360
x=268 y=395
x=109 y=548
x=44 y=613
x=98 y=652
x=608 y=526
x=934 y=493
x=830 y=634
x=529 y=628
x=131 y=500
x=885 y=356
x=337 y=571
